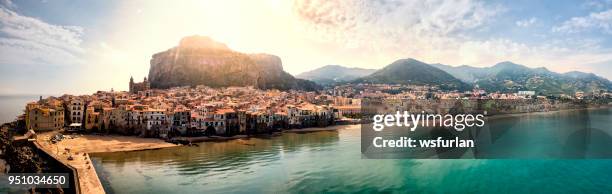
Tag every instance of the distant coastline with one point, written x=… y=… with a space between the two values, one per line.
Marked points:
x=547 y=112
x=12 y=105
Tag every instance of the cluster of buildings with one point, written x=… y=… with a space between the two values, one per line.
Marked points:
x=416 y=92
x=229 y=111
x=433 y=99
x=183 y=111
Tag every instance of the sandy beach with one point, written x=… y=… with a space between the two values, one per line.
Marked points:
x=79 y=147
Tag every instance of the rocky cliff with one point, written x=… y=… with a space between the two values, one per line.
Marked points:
x=199 y=60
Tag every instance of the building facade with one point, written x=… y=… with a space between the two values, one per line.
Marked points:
x=139 y=87
x=45 y=119
x=75 y=111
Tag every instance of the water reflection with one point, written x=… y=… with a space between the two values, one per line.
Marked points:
x=330 y=162
x=215 y=159
x=238 y=149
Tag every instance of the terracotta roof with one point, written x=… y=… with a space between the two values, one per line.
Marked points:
x=223 y=111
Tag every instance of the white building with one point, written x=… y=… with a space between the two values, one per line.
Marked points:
x=526 y=93
x=75 y=110
x=155 y=119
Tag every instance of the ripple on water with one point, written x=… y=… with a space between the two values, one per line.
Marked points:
x=331 y=162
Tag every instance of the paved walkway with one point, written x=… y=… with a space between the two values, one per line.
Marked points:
x=78 y=146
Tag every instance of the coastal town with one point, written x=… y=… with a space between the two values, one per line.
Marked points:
x=67 y=128
x=305 y=96
x=183 y=111
x=202 y=110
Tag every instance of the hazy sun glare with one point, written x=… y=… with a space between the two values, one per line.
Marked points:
x=311 y=34
x=140 y=30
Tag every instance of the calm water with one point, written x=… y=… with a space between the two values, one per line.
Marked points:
x=13 y=106
x=331 y=161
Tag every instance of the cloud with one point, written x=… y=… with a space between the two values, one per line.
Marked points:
x=450 y=32
x=597 y=4
x=558 y=55
x=408 y=28
x=27 y=40
x=432 y=30
x=8 y=3
x=526 y=23
x=431 y=16
x=594 y=21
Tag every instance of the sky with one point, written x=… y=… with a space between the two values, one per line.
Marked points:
x=79 y=47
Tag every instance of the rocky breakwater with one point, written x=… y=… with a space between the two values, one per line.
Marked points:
x=199 y=60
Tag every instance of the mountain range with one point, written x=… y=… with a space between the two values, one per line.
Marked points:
x=503 y=77
x=199 y=60
x=411 y=71
x=511 y=77
x=331 y=74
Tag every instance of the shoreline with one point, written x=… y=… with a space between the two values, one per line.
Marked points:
x=545 y=112
x=200 y=139
x=74 y=151
x=318 y=129
x=81 y=146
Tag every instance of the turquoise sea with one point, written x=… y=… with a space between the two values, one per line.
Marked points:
x=331 y=162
